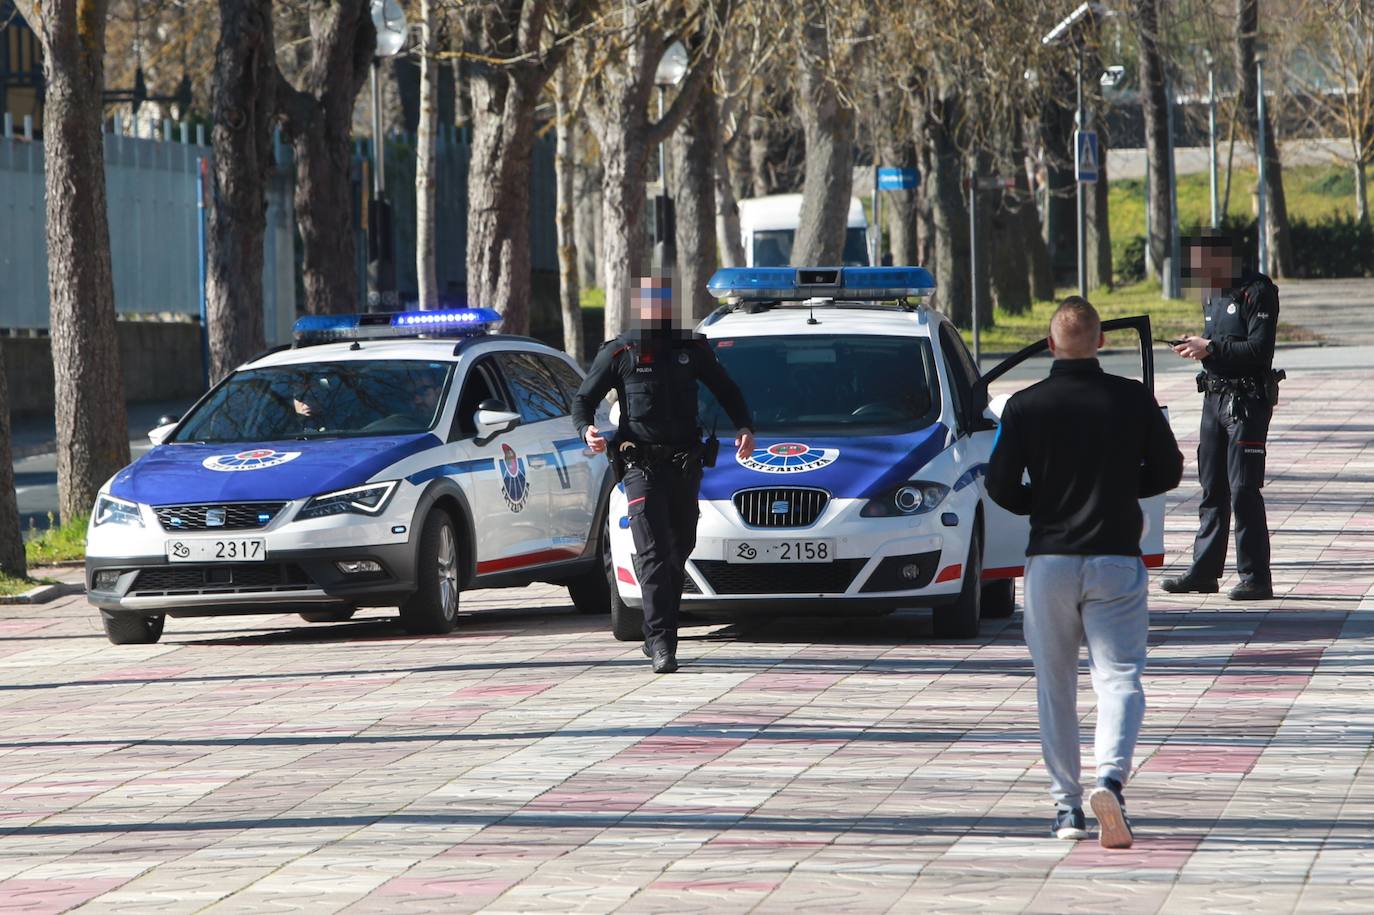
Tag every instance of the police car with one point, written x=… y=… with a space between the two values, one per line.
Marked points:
x=386 y=460
x=865 y=492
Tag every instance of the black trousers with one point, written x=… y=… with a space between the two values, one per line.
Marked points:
x=663 y=514
x=1230 y=460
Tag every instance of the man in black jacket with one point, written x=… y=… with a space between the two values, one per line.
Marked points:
x=655 y=369
x=1093 y=444
x=1236 y=351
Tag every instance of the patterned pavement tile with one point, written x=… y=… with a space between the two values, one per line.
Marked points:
x=529 y=763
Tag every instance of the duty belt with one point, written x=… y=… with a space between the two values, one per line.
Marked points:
x=1265 y=386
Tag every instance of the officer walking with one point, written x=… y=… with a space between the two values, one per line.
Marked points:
x=658 y=448
x=1236 y=349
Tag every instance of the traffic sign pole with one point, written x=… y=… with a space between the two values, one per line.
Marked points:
x=973 y=261
x=1078 y=187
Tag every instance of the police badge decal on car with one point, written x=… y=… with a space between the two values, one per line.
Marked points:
x=256 y=459
x=789 y=457
x=514 y=484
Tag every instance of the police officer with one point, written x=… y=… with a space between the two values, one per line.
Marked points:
x=658 y=447
x=1236 y=350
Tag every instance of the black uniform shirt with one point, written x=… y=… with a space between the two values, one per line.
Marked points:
x=1094 y=444
x=655 y=376
x=1241 y=322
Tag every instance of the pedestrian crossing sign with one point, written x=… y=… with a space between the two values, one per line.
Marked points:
x=1085 y=164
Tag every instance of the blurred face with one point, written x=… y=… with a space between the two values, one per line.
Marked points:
x=653 y=299
x=1214 y=265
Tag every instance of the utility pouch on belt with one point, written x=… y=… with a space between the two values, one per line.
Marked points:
x=710 y=450
x=1271 y=385
x=617 y=454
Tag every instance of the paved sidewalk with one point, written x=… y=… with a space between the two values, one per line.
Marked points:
x=531 y=763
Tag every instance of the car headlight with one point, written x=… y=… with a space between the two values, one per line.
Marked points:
x=109 y=510
x=359 y=500
x=911 y=498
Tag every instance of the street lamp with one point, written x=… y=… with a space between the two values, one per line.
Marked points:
x=672 y=67
x=390 y=22
x=1212 y=134
x=1259 y=157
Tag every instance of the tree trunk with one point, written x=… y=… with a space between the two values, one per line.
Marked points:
x=729 y=236
x=829 y=130
x=622 y=221
x=565 y=216
x=318 y=120
x=987 y=256
x=92 y=425
x=1039 y=274
x=693 y=188
x=1361 y=194
x=1098 y=225
x=12 y=561
x=1056 y=138
x=1280 y=244
x=244 y=109
x=949 y=212
x=426 y=161
x=1155 y=104
x=587 y=224
x=925 y=214
x=1007 y=253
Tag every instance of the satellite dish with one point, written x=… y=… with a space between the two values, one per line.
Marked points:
x=392 y=28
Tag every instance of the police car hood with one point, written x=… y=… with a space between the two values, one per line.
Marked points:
x=849 y=467
x=267 y=471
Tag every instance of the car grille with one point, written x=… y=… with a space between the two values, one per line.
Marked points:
x=238 y=516
x=221 y=579
x=788 y=506
x=779 y=577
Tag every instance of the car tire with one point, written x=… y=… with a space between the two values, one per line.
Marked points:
x=960 y=619
x=433 y=608
x=132 y=628
x=591 y=592
x=627 y=623
x=999 y=599
x=328 y=616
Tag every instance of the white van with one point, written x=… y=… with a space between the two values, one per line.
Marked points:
x=768 y=226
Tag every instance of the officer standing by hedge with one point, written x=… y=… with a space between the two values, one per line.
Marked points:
x=658 y=449
x=1236 y=350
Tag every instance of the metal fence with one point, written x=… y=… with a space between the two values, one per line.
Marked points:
x=151 y=190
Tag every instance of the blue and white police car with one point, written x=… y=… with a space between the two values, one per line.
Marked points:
x=865 y=491
x=387 y=460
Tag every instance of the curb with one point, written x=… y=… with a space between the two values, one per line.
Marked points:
x=43 y=594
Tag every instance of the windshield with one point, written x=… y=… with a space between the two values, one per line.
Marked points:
x=773 y=247
x=321 y=400
x=830 y=384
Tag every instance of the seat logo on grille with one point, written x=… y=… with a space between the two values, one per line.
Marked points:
x=215 y=517
x=255 y=459
x=789 y=457
x=781 y=507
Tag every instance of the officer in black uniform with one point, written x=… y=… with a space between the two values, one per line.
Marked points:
x=659 y=447
x=1241 y=312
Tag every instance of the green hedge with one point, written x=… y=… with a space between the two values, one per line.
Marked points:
x=1337 y=246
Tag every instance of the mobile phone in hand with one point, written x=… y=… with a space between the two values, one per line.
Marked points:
x=1170 y=342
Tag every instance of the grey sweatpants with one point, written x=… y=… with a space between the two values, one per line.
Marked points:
x=1101 y=598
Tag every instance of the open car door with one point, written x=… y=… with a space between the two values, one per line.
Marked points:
x=1006 y=535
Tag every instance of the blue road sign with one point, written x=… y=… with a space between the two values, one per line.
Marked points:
x=898 y=179
x=1086 y=162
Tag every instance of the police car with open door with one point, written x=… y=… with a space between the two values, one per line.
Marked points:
x=387 y=460
x=865 y=490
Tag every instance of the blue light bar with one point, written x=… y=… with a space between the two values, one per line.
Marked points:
x=798 y=283
x=448 y=323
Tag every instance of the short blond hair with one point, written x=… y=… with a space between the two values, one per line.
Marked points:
x=1076 y=328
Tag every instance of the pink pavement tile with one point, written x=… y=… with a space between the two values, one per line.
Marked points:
x=443 y=887
x=1277 y=657
x=1201 y=758
x=791 y=682
x=668 y=748
x=717 y=886
x=142 y=673
x=501 y=689
x=1310 y=628
x=1153 y=852
x=590 y=801
x=35 y=897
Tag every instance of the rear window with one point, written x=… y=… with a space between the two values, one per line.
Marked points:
x=830 y=384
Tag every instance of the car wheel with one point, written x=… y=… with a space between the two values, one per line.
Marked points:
x=328 y=616
x=591 y=592
x=999 y=599
x=433 y=608
x=960 y=619
x=627 y=623
x=132 y=628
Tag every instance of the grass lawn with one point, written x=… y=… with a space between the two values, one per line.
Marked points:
x=62 y=543
x=10 y=586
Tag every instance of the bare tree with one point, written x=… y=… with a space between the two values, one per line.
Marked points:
x=426 y=161
x=12 y=561
x=1279 y=243
x=92 y=425
x=692 y=183
x=565 y=217
x=317 y=118
x=241 y=135
x=1155 y=104
x=512 y=52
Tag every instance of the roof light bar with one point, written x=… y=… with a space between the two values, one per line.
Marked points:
x=800 y=283
x=454 y=322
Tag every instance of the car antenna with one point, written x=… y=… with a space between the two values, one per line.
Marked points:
x=811 y=315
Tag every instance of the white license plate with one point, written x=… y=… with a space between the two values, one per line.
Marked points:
x=747 y=551
x=224 y=549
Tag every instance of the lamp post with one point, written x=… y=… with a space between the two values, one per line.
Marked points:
x=1261 y=228
x=672 y=67
x=1212 y=135
x=390 y=22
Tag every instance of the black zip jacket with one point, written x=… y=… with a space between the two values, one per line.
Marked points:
x=1242 y=322
x=1094 y=444
x=655 y=375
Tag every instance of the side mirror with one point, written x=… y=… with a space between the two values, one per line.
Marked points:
x=493 y=418
x=158 y=434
